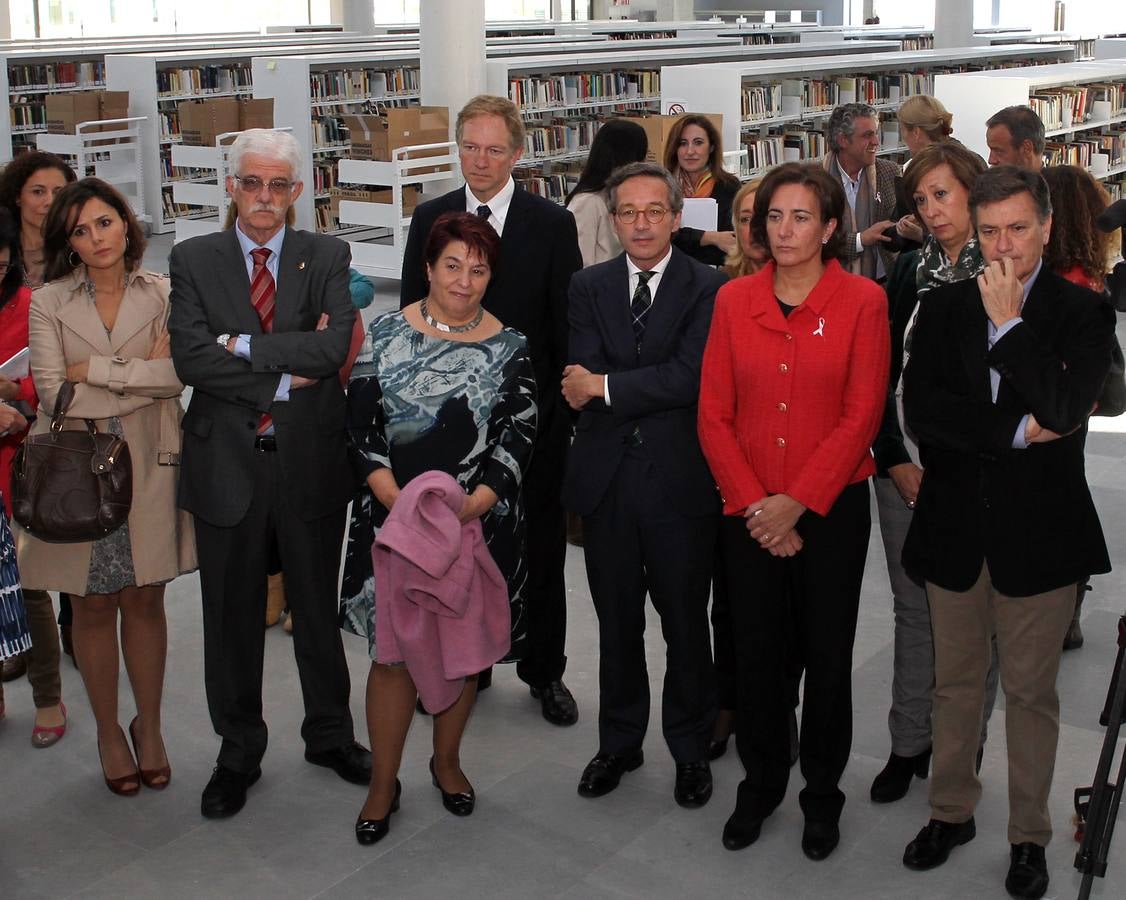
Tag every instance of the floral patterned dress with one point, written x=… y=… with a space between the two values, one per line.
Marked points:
x=426 y=404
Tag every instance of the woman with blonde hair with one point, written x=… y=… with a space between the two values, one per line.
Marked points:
x=923 y=121
x=748 y=256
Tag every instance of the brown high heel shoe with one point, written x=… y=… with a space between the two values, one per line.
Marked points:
x=149 y=776
x=125 y=785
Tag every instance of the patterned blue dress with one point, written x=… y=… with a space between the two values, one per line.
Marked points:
x=426 y=404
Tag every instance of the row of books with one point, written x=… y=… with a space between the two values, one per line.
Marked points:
x=755 y=40
x=1065 y=107
x=27 y=115
x=362 y=84
x=550 y=138
x=792 y=145
x=169 y=172
x=554 y=187
x=219 y=79
x=324 y=176
x=328 y=131
x=584 y=87
x=1097 y=152
x=58 y=76
x=923 y=42
x=174 y=210
x=798 y=96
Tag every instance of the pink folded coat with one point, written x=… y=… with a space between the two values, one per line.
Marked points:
x=441 y=603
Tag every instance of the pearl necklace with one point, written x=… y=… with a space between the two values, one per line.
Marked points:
x=450 y=329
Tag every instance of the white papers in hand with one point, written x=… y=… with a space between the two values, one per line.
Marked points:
x=701 y=212
x=19 y=366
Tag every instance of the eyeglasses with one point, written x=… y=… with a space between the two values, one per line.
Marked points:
x=252 y=184
x=653 y=214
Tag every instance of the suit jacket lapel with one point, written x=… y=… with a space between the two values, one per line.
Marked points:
x=612 y=309
x=231 y=272
x=293 y=269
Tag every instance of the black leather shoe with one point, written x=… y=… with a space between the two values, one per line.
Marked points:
x=739 y=833
x=933 y=844
x=460 y=804
x=371 y=831
x=225 y=793
x=693 y=784
x=559 y=707
x=716 y=749
x=892 y=783
x=352 y=762
x=819 y=839
x=1028 y=871
x=603 y=773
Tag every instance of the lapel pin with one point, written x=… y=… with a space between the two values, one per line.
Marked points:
x=301 y=265
x=820 y=329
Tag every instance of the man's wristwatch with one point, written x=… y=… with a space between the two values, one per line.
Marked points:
x=222 y=340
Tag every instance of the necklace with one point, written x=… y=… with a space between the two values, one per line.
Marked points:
x=450 y=329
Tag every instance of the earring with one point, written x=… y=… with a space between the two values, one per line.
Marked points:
x=126 y=243
x=824 y=241
x=71 y=259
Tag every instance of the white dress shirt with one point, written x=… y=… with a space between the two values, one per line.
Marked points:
x=654 y=282
x=498 y=206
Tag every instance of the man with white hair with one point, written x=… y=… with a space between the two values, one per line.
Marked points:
x=260 y=324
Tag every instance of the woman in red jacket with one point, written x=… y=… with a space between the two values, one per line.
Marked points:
x=791 y=395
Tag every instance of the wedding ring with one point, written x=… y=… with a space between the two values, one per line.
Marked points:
x=758 y=512
x=765 y=538
x=910 y=504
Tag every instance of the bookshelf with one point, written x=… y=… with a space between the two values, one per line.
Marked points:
x=793 y=91
x=158 y=81
x=563 y=101
x=1082 y=104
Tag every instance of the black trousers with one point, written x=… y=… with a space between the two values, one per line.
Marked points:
x=233 y=563
x=634 y=544
x=544 y=658
x=805 y=605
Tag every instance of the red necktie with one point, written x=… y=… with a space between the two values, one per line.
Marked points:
x=262 y=292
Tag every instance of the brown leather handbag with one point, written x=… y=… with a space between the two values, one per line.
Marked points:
x=70 y=486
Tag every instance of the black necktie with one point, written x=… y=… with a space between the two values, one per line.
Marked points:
x=639 y=306
x=483 y=211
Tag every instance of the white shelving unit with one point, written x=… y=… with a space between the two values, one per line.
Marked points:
x=110 y=149
x=975 y=96
x=717 y=87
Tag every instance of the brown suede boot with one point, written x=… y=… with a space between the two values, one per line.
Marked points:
x=1074 y=638
x=275 y=599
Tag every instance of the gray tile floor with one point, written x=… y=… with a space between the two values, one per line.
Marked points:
x=62 y=834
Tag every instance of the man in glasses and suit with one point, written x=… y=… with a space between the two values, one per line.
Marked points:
x=637 y=476
x=260 y=325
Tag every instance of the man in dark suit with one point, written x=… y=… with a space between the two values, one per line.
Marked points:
x=638 y=478
x=1002 y=374
x=260 y=324
x=528 y=292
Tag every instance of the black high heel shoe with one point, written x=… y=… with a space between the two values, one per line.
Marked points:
x=459 y=804
x=370 y=831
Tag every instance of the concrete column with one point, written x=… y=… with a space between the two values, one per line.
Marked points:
x=453 y=53
x=354 y=15
x=953 y=24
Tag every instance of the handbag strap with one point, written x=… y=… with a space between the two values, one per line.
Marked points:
x=63 y=399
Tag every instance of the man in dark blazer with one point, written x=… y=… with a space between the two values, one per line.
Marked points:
x=637 y=476
x=260 y=324
x=528 y=292
x=1002 y=374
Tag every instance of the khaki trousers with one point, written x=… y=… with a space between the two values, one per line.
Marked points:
x=1030 y=633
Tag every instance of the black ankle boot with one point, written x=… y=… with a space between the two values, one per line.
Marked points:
x=893 y=782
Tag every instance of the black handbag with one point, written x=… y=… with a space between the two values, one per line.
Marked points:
x=70 y=486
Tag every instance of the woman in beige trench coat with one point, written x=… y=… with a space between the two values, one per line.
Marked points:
x=101 y=323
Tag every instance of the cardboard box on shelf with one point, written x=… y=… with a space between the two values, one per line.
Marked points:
x=66 y=110
x=256 y=113
x=376 y=137
x=201 y=121
x=657 y=130
x=382 y=195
